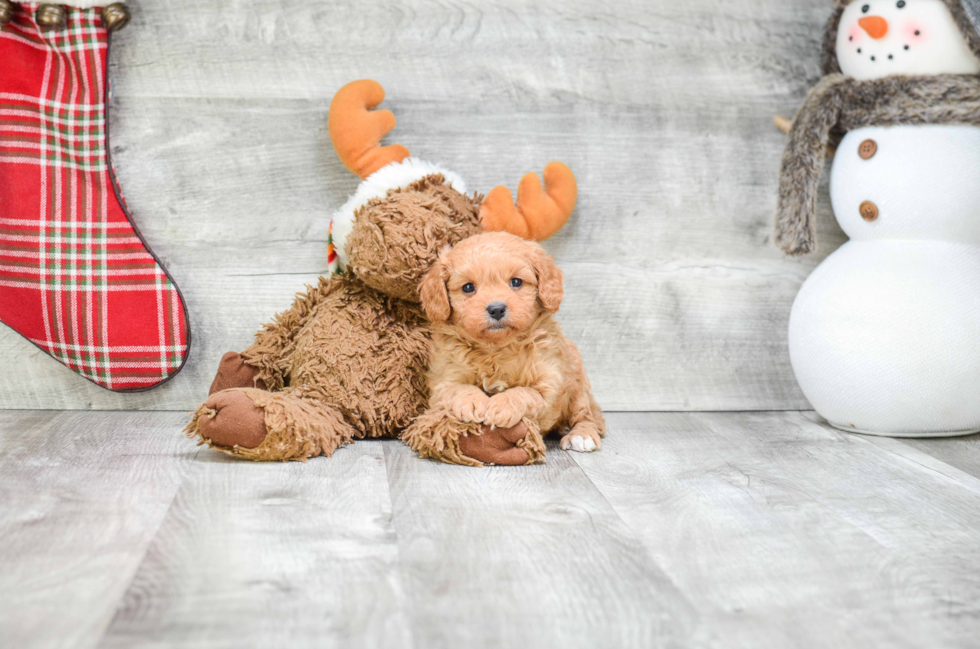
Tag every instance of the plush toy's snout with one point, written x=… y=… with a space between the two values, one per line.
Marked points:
x=384 y=247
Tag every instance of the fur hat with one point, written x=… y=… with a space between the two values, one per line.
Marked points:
x=393 y=176
x=966 y=13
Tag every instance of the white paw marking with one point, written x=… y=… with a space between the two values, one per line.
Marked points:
x=583 y=444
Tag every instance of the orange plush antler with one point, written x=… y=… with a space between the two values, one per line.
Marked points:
x=538 y=213
x=356 y=130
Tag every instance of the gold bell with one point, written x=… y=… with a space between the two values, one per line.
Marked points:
x=115 y=16
x=51 y=17
x=6 y=12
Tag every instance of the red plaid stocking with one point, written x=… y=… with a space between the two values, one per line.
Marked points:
x=76 y=276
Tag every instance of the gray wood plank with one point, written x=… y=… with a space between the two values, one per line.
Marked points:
x=82 y=496
x=688 y=529
x=962 y=453
x=271 y=555
x=784 y=532
x=663 y=109
x=526 y=556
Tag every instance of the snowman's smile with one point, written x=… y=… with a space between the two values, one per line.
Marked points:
x=876 y=50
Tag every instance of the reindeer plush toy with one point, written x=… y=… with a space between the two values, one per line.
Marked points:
x=349 y=359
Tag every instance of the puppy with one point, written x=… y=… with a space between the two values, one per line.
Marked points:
x=499 y=356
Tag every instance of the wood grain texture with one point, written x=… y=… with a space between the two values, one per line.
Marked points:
x=784 y=532
x=663 y=109
x=82 y=496
x=709 y=530
x=525 y=556
x=271 y=555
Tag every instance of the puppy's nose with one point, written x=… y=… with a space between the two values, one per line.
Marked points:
x=497 y=310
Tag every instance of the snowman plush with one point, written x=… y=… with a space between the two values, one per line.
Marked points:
x=884 y=336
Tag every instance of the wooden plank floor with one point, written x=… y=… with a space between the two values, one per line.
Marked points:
x=687 y=530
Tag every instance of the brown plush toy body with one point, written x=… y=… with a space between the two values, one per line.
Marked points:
x=349 y=359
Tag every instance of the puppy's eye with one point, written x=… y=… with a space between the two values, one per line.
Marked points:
x=865 y=9
x=516 y=282
x=901 y=4
x=469 y=288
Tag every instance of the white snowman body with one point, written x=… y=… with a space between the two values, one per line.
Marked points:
x=884 y=336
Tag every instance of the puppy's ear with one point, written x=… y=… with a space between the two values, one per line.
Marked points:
x=434 y=294
x=550 y=279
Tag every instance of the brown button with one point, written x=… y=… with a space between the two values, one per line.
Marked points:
x=868 y=210
x=867 y=149
x=51 y=17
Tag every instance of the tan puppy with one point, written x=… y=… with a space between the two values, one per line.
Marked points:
x=499 y=354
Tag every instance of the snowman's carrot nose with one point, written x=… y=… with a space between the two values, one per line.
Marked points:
x=876 y=26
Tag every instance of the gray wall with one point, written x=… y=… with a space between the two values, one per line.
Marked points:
x=663 y=110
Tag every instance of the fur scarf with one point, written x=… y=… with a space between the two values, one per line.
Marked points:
x=838 y=104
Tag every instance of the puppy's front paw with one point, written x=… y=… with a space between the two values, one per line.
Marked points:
x=470 y=408
x=502 y=412
x=583 y=439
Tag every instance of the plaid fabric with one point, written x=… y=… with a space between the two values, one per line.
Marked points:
x=76 y=278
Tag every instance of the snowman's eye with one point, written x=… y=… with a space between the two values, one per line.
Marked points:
x=901 y=4
x=865 y=9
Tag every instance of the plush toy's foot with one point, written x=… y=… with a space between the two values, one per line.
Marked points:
x=497 y=445
x=234 y=372
x=258 y=425
x=436 y=434
x=230 y=418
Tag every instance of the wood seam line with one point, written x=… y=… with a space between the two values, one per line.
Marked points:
x=408 y=601
x=633 y=534
x=132 y=577
x=937 y=467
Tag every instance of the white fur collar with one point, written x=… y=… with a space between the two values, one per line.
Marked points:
x=377 y=185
